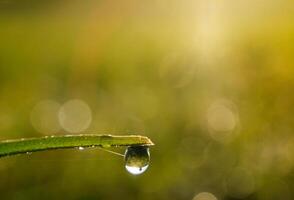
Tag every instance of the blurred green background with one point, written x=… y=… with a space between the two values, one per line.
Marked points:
x=210 y=82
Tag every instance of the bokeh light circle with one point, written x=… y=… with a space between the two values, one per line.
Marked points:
x=222 y=119
x=75 y=116
x=204 y=196
x=44 y=117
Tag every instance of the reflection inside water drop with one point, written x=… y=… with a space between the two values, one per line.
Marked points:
x=137 y=159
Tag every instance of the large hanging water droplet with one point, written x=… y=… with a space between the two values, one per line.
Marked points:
x=137 y=159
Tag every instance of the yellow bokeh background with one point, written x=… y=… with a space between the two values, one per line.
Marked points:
x=210 y=82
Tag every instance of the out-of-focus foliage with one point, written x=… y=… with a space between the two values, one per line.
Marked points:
x=210 y=82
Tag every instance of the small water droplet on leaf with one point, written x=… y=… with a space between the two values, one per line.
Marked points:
x=137 y=159
x=81 y=148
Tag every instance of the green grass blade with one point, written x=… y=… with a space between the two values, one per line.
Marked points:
x=12 y=147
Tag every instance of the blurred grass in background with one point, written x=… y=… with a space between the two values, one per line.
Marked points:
x=210 y=82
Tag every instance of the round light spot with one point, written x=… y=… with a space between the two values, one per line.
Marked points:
x=221 y=119
x=75 y=116
x=44 y=117
x=204 y=196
